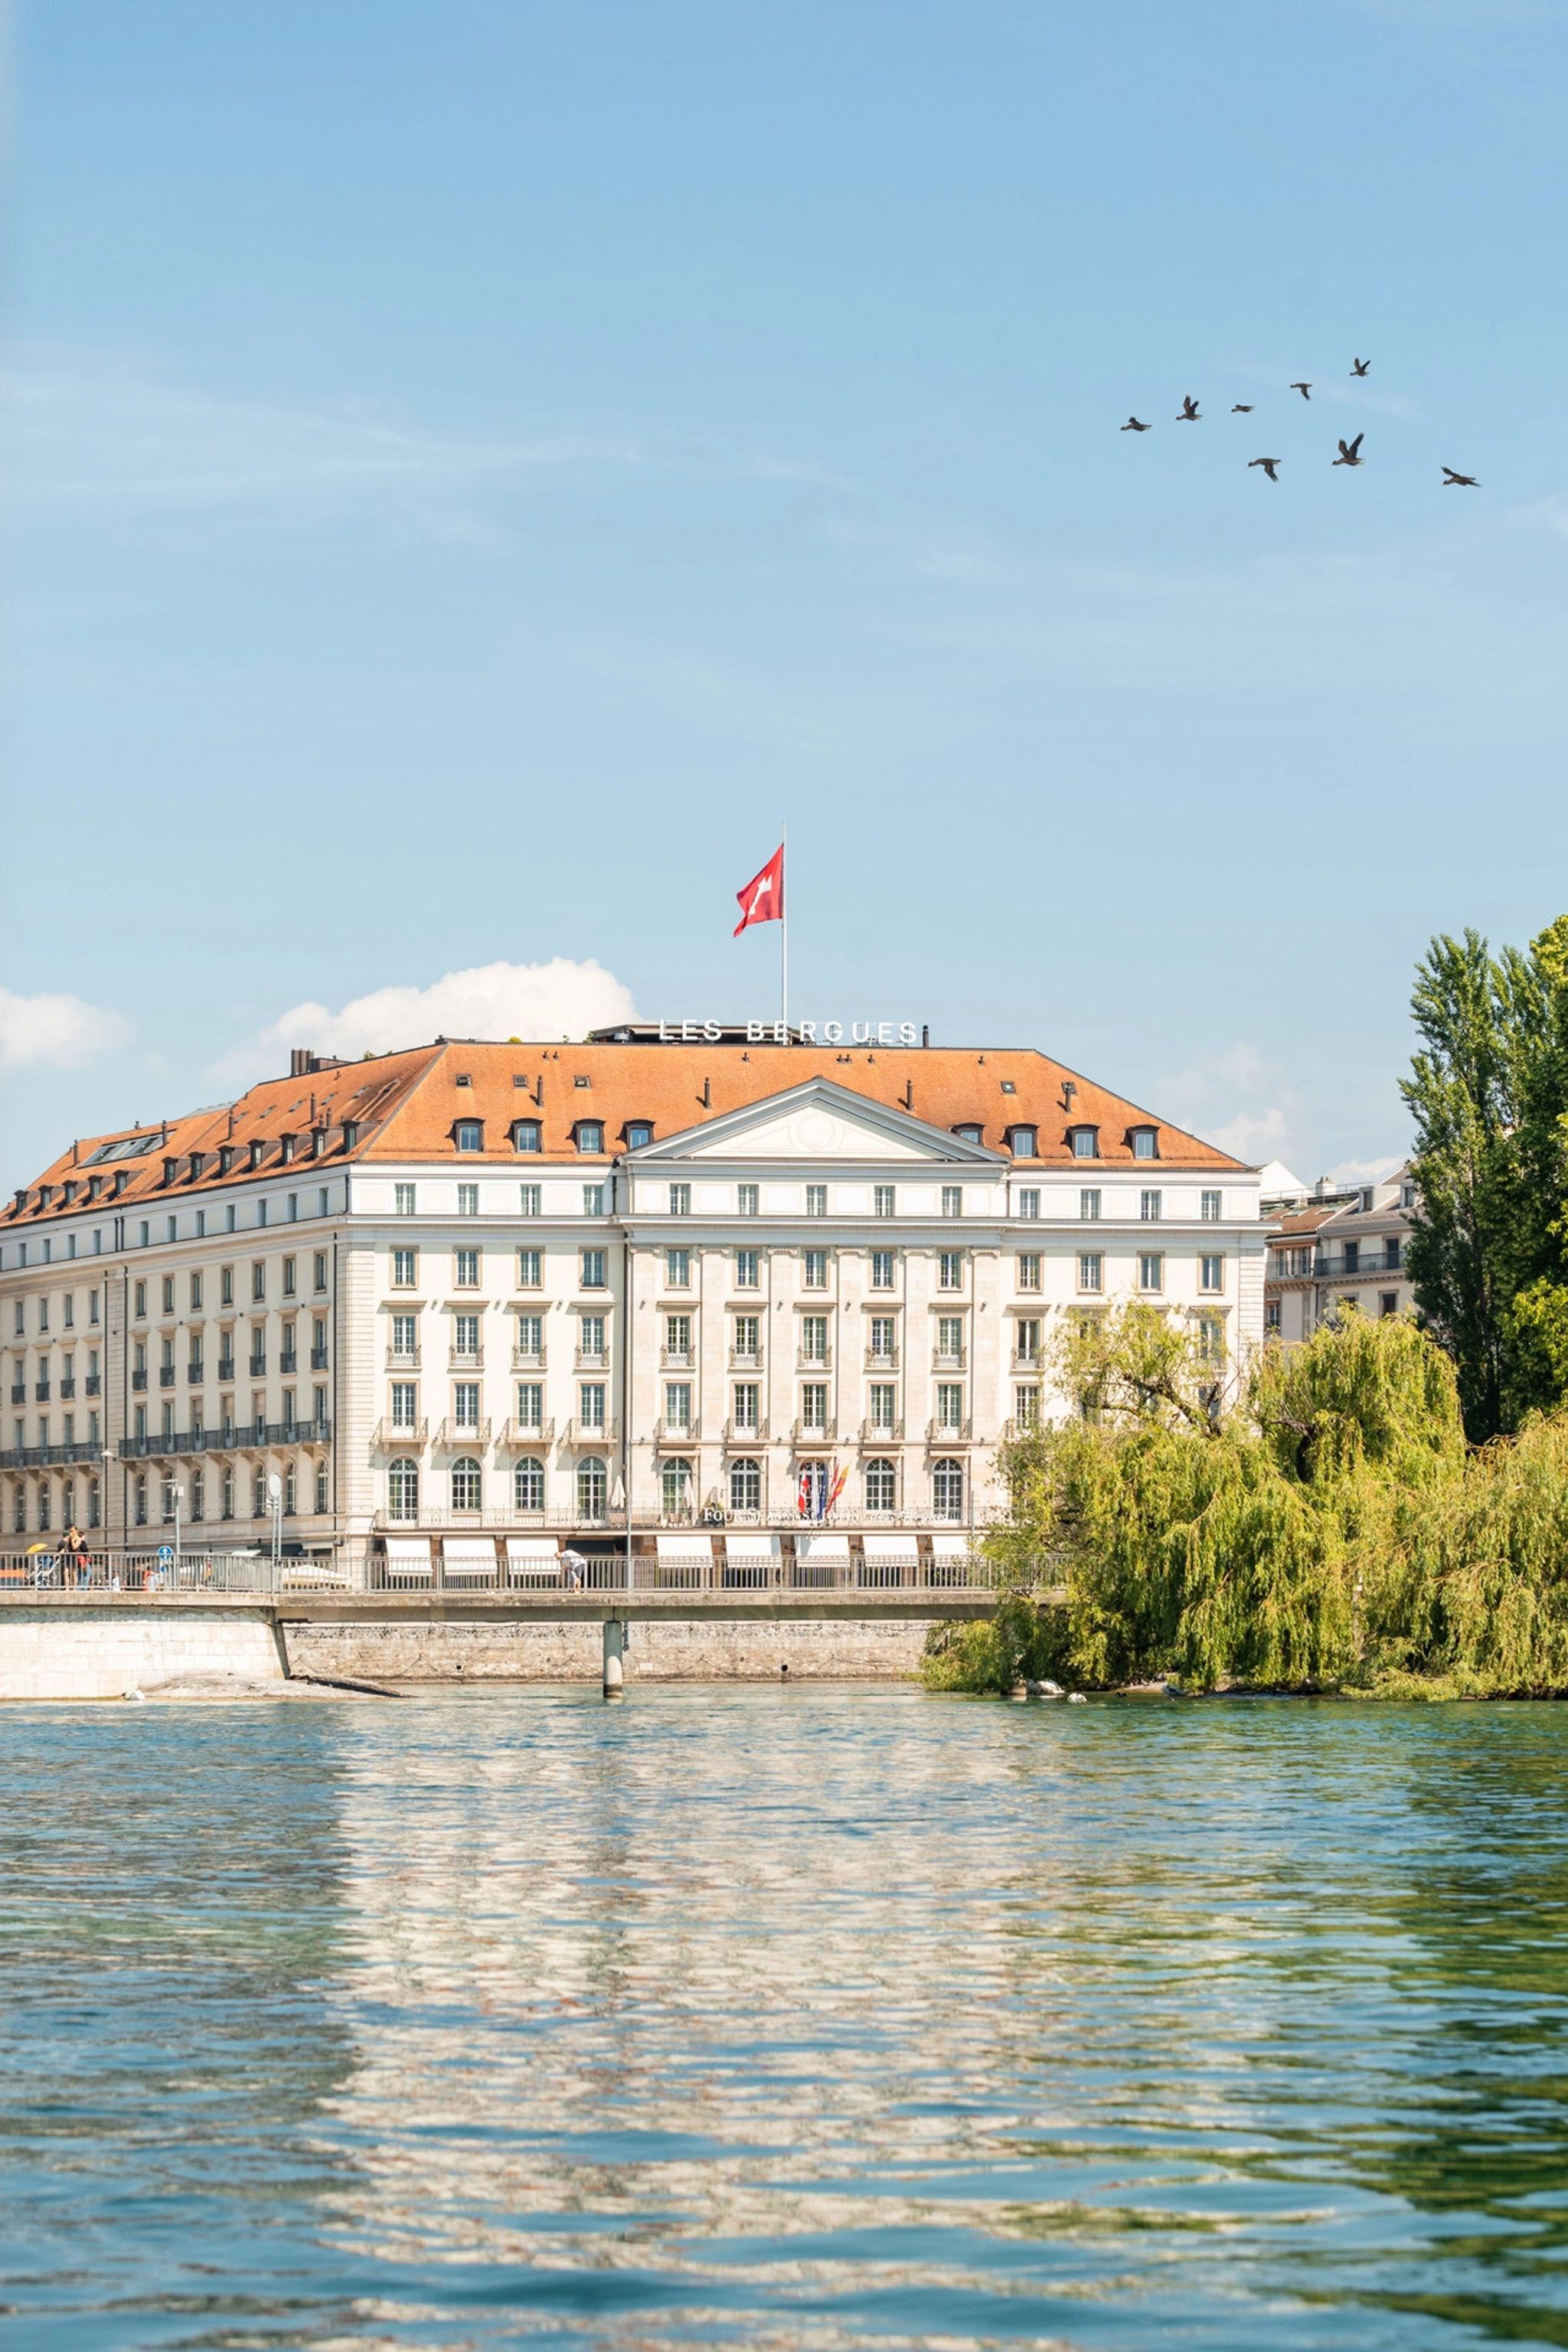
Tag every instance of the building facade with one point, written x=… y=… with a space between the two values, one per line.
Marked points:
x=479 y=1287
x=1343 y=1248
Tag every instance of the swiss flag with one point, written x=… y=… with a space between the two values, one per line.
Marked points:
x=762 y=900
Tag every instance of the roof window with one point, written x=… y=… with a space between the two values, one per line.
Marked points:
x=1145 y=1143
x=970 y=1130
x=527 y=1135
x=1083 y=1143
x=588 y=1135
x=638 y=1132
x=465 y=1078
x=469 y=1135
x=583 y=1082
x=1024 y=1142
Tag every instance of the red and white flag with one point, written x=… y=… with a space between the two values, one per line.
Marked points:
x=762 y=900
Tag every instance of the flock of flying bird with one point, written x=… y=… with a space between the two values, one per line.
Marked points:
x=1350 y=451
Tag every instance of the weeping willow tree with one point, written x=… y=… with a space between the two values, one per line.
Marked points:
x=1330 y=1530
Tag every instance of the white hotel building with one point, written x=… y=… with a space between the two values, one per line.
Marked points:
x=478 y=1293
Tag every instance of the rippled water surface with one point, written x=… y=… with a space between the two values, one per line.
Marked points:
x=812 y=2018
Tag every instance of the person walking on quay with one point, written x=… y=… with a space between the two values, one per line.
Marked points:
x=74 y=1558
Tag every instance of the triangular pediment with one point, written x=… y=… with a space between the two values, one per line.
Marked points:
x=818 y=1121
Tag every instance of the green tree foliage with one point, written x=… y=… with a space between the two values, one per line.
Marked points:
x=1489 y=1095
x=1331 y=1530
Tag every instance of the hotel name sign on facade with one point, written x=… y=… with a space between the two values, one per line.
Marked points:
x=516 y=1293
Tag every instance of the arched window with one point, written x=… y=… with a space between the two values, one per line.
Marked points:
x=258 y=1497
x=94 y=1503
x=141 y=1502
x=675 y=1487
x=528 y=1484
x=467 y=1484
x=745 y=1486
x=947 y=1490
x=291 y=1491
x=198 y=1497
x=228 y=1494
x=67 y=1504
x=403 y=1488
x=881 y=1486
x=42 y=1505
x=591 y=1488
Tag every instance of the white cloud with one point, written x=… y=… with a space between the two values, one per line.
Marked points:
x=1364 y=1172
x=537 y=1001
x=1235 y=1099
x=57 y=1032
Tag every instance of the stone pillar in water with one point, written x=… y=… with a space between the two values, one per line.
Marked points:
x=614 y=1652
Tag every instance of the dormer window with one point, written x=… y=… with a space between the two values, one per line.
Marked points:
x=257 y=1151
x=198 y=1161
x=171 y=1169
x=286 y=1148
x=1145 y=1143
x=639 y=1132
x=122 y=1178
x=69 y=1194
x=224 y=1159
x=351 y=1134
x=318 y=1143
x=970 y=1130
x=589 y=1135
x=464 y=1078
x=469 y=1135
x=526 y=1135
x=94 y=1187
x=1083 y=1143
x=1024 y=1142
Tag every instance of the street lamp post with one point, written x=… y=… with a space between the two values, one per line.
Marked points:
x=275 y=1495
x=177 y=1495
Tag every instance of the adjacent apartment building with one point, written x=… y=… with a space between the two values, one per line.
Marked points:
x=1341 y=1248
x=623 y=1283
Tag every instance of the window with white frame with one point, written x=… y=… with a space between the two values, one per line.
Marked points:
x=468 y=1485
x=593 y=1263
x=591 y=1395
x=403 y=1200
x=881 y=1269
x=590 y=1135
x=466 y=1269
x=947 y=1490
x=1026 y=1339
x=1028 y=1201
x=1211 y=1339
x=1024 y=1142
x=883 y=1346
x=681 y=1200
x=678 y=1339
x=952 y=1200
x=1085 y=1143
x=530 y=1269
x=590 y=1339
x=882 y=1402
x=401 y=1492
x=747 y=1269
x=678 y=1404
x=593 y=1489
x=1150 y=1270
x=406 y=1335
x=467 y=1200
x=813 y=1404
x=675 y=1490
x=678 y=1269
x=950 y=1404
x=885 y=1199
x=404 y=1269
x=746 y=1338
x=1211 y=1272
x=747 y=1200
x=527 y=1485
x=949 y=1338
x=530 y=1200
x=881 y=1486
x=527 y=1135
x=639 y=1134
x=1029 y=1266
x=814 y=1339
x=530 y=1338
x=404 y=1404
x=816 y=1200
x=1212 y=1207
x=1092 y=1270
x=593 y=1199
x=531 y=1405
x=466 y=1405
x=814 y=1269
x=1145 y=1143
x=949 y=1270
x=745 y=1484
x=465 y=1335
x=746 y=1405
x=1151 y=1207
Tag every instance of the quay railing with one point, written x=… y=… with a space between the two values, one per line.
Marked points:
x=154 y=1574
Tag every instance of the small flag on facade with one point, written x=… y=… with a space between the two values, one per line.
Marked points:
x=762 y=900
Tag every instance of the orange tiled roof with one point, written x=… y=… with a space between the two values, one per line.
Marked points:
x=405 y=1107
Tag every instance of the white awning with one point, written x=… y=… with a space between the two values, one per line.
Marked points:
x=822 y=1547
x=687 y=1547
x=903 y=1550
x=754 y=1547
x=951 y=1546
x=532 y=1548
x=408 y=1551
x=468 y=1551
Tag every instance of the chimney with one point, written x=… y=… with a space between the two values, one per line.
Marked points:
x=925 y=1032
x=301 y=1062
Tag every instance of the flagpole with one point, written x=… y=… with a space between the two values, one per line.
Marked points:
x=783 y=934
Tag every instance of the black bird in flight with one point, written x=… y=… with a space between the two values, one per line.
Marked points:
x=1241 y=409
x=1350 y=451
x=1304 y=389
x=1268 y=465
x=1189 y=415
x=1133 y=425
x=1452 y=481
x=1361 y=367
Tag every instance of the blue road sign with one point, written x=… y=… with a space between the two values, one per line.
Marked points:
x=165 y=1555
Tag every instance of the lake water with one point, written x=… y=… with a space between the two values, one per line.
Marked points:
x=784 y=2018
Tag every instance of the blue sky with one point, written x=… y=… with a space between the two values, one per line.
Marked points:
x=476 y=470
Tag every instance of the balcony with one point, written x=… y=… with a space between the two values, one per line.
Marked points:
x=948 y=1360
x=138 y=1380
x=194 y=1373
x=1369 y=1261
x=41 y=1391
x=287 y=1362
x=405 y=1359
x=463 y=1435
x=45 y=1457
x=460 y=1359
x=807 y=1363
x=884 y=1361
x=745 y=1359
x=533 y=1435
x=68 y=1386
x=225 y=1368
x=744 y=1437
x=257 y=1368
x=597 y=1434
x=1026 y=1360
x=165 y=1376
x=593 y=1360
x=528 y=1360
x=233 y=1437
x=318 y=1360
x=813 y=1432
x=673 y=1360
x=943 y=1433
x=94 y=1384
x=19 y=1392
x=881 y=1432
x=676 y=1432
x=400 y=1432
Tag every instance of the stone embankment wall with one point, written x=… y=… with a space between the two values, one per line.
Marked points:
x=814 y=1650
x=55 y=1654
